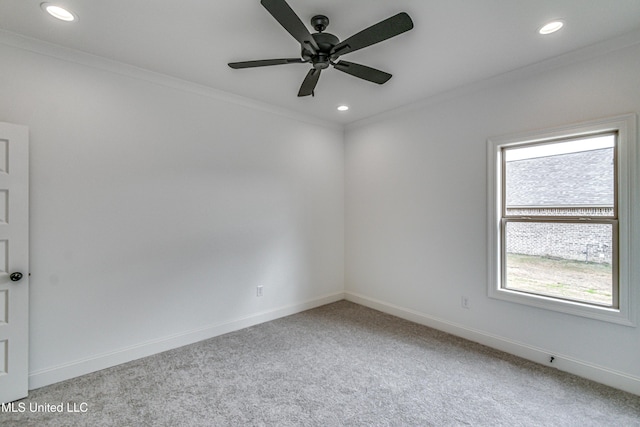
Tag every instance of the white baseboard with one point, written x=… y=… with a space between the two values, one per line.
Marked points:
x=43 y=377
x=574 y=366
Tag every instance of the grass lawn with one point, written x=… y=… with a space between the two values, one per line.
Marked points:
x=576 y=280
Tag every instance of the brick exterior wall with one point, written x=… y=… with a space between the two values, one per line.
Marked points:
x=580 y=242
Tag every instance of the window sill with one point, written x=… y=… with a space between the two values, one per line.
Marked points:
x=618 y=316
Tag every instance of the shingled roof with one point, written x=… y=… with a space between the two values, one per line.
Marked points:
x=576 y=179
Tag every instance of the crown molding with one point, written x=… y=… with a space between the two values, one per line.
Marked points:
x=52 y=50
x=572 y=57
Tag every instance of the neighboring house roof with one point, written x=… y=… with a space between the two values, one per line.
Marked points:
x=575 y=179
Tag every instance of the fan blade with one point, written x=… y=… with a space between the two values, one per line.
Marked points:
x=381 y=31
x=283 y=13
x=310 y=82
x=363 y=72
x=265 y=62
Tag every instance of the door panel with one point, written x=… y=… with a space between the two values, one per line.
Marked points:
x=14 y=257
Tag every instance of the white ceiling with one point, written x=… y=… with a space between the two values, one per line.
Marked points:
x=453 y=43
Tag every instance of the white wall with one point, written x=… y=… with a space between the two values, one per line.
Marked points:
x=416 y=237
x=156 y=211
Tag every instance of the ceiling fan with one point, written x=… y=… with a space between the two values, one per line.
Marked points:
x=323 y=49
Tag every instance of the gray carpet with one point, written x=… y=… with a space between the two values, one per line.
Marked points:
x=337 y=365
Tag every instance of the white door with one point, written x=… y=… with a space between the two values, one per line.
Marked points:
x=14 y=262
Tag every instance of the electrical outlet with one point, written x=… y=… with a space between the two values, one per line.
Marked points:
x=464 y=301
x=259 y=291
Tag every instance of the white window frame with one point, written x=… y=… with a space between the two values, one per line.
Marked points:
x=628 y=200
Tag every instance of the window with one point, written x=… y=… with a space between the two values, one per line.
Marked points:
x=560 y=215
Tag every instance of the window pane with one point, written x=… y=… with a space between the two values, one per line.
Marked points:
x=564 y=260
x=570 y=178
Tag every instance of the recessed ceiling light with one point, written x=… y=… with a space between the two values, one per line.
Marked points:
x=551 y=27
x=343 y=108
x=59 y=12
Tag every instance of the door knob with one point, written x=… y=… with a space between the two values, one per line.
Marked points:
x=15 y=277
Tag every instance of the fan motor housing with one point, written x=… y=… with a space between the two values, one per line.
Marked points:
x=325 y=42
